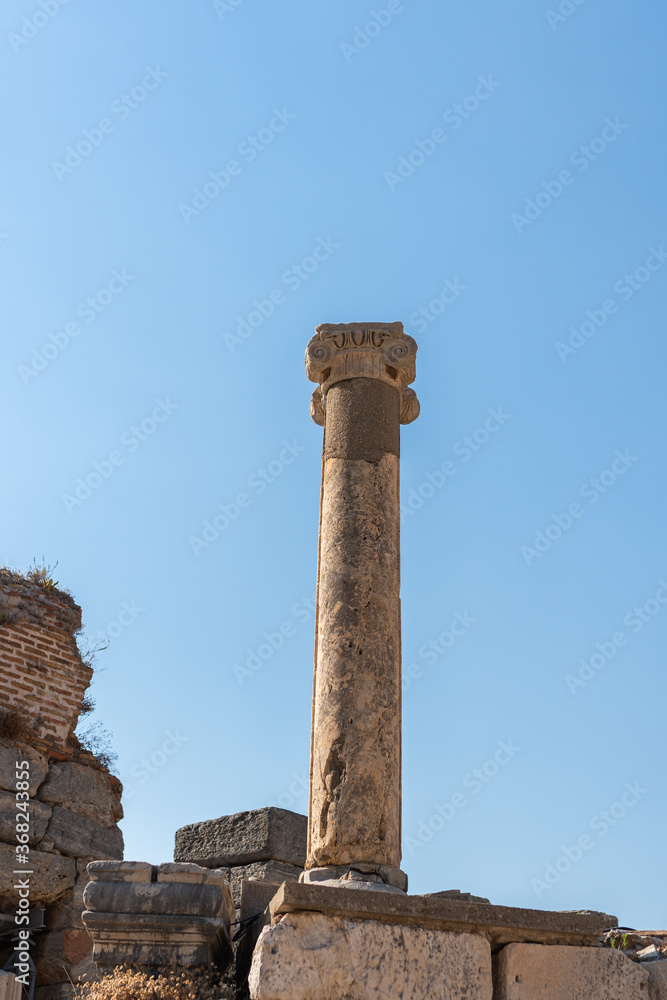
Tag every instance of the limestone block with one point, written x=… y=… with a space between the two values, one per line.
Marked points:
x=80 y=836
x=52 y=876
x=310 y=956
x=120 y=871
x=268 y=834
x=150 y=939
x=38 y=816
x=156 y=897
x=563 y=972
x=91 y=792
x=10 y=754
x=10 y=989
x=265 y=871
x=657 y=980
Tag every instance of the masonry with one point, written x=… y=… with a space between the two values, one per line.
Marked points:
x=73 y=801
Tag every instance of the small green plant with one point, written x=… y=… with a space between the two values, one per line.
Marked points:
x=41 y=575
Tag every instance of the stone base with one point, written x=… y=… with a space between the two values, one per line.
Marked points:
x=498 y=924
x=311 y=956
x=537 y=972
x=157 y=939
x=358 y=875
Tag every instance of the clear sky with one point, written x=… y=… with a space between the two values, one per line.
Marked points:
x=187 y=190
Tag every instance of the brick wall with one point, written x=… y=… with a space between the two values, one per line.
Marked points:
x=42 y=675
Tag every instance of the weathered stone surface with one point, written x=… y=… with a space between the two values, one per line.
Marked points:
x=498 y=924
x=158 y=897
x=90 y=792
x=356 y=740
x=657 y=980
x=52 y=876
x=10 y=753
x=10 y=989
x=537 y=972
x=120 y=871
x=63 y=953
x=271 y=871
x=38 y=816
x=310 y=956
x=257 y=835
x=157 y=939
x=80 y=836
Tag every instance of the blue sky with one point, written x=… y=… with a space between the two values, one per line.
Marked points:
x=492 y=176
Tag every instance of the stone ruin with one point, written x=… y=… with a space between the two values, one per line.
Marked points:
x=74 y=801
x=305 y=908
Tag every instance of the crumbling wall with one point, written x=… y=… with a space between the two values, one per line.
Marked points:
x=73 y=801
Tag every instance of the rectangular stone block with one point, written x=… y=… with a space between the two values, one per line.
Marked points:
x=120 y=871
x=157 y=939
x=269 y=834
x=311 y=956
x=499 y=924
x=261 y=871
x=539 y=972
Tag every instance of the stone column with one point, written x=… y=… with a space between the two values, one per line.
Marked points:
x=363 y=371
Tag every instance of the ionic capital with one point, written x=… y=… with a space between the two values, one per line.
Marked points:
x=382 y=351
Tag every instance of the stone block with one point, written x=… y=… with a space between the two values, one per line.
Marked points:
x=154 y=914
x=38 y=816
x=268 y=834
x=10 y=754
x=80 y=836
x=557 y=972
x=52 y=876
x=499 y=924
x=10 y=989
x=266 y=871
x=90 y=792
x=120 y=871
x=310 y=956
x=657 y=980
x=157 y=939
x=183 y=898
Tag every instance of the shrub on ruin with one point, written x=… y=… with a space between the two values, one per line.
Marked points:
x=125 y=983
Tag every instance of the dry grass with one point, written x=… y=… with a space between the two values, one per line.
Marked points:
x=166 y=984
